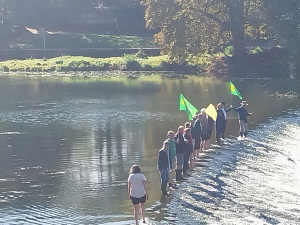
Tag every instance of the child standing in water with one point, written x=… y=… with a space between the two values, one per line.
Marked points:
x=190 y=146
x=163 y=166
x=211 y=123
x=203 y=118
x=197 y=136
x=180 y=152
x=242 y=114
x=172 y=154
x=137 y=191
x=192 y=122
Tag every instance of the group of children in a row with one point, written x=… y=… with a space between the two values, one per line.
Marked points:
x=191 y=140
x=182 y=145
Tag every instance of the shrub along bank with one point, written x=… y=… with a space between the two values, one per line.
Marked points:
x=80 y=63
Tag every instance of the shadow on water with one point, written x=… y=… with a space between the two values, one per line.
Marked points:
x=196 y=208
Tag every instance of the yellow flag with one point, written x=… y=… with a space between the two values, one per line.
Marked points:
x=211 y=111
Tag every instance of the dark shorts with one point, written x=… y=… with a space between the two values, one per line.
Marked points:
x=136 y=201
x=209 y=134
x=197 y=143
x=204 y=137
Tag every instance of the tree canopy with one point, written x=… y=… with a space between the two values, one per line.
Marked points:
x=283 y=20
x=192 y=27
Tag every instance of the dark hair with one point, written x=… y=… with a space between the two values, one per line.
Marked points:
x=135 y=169
x=187 y=130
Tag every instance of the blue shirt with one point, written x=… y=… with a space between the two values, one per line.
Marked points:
x=242 y=113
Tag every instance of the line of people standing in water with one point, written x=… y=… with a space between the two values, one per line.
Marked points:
x=185 y=145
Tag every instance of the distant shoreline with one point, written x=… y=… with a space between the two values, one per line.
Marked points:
x=81 y=64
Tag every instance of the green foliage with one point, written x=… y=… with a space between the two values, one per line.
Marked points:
x=228 y=51
x=192 y=27
x=129 y=57
x=256 y=49
x=133 y=65
x=78 y=63
x=283 y=19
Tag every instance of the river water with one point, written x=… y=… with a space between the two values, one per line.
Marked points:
x=67 y=144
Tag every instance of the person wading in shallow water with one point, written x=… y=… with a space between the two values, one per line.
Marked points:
x=220 y=122
x=137 y=191
x=163 y=166
x=180 y=151
x=203 y=118
x=211 y=123
x=188 y=150
x=224 y=111
x=192 y=156
x=197 y=136
x=172 y=154
x=189 y=125
x=242 y=114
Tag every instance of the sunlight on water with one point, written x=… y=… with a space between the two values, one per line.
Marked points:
x=66 y=146
x=261 y=187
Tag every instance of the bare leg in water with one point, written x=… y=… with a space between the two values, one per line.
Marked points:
x=191 y=160
x=136 y=213
x=196 y=153
x=203 y=146
x=143 y=211
x=207 y=144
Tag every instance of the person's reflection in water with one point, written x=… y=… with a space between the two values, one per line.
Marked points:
x=137 y=191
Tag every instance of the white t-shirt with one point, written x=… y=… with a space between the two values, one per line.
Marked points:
x=137 y=187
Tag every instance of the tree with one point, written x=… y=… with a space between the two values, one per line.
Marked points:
x=191 y=27
x=283 y=21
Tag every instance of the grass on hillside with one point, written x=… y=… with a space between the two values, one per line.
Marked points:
x=67 y=40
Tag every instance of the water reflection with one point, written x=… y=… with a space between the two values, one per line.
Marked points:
x=73 y=140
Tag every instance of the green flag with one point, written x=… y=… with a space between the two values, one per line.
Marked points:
x=235 y=91
x=188 y=107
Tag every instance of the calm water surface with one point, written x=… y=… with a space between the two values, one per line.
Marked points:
x=67 y=143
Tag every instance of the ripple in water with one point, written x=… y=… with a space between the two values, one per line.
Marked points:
x=252 y=182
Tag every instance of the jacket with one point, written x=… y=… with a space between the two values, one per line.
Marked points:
x=197 y=129
x=163 y=160
x=180 y=144
x=242 y=113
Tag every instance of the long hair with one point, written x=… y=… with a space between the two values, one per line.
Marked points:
x=135 y=169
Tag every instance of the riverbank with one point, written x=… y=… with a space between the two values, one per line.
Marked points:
x=80 y=63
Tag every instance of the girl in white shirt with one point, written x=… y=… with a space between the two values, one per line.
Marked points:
x=137 y=191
